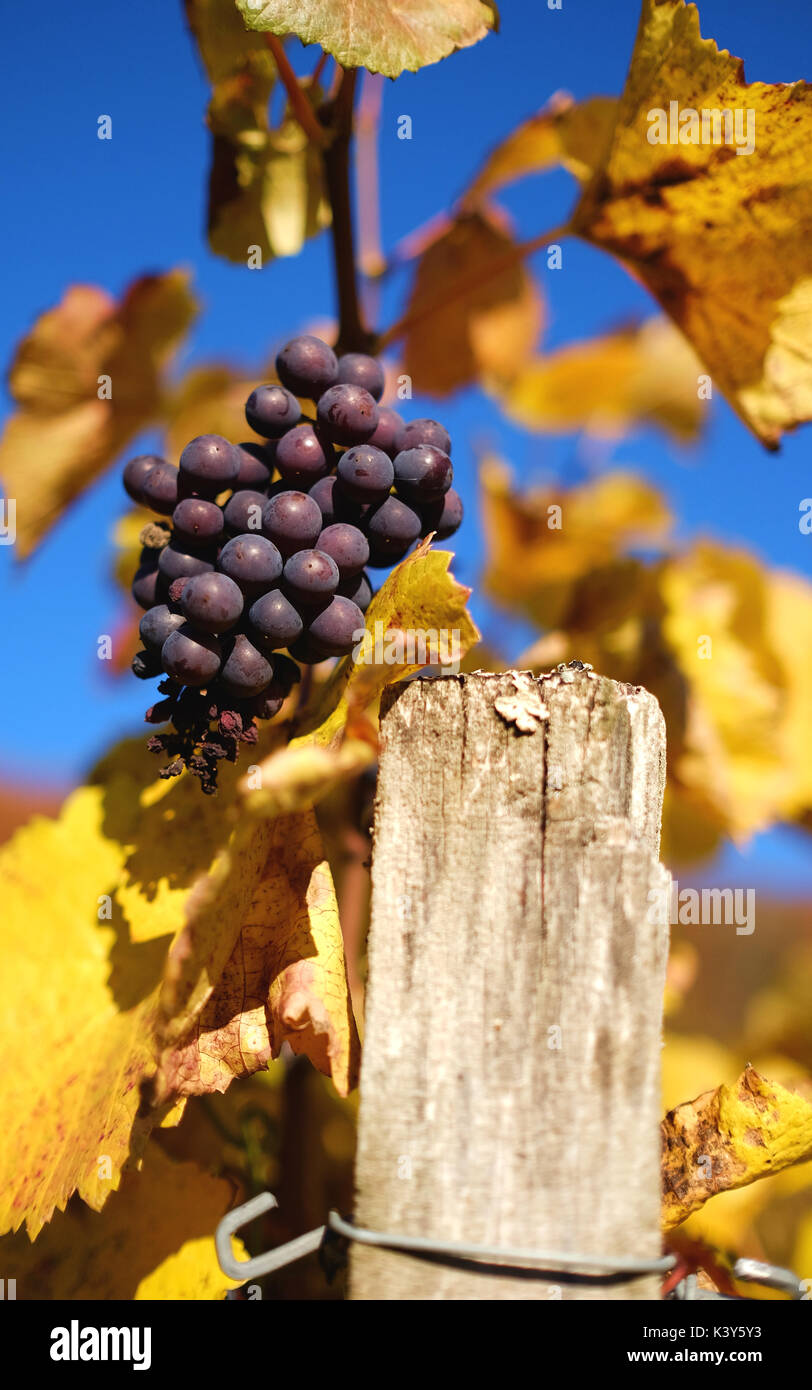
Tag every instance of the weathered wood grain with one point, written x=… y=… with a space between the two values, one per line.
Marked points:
x=510 y=1080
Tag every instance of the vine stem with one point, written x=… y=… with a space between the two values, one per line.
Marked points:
x=337 y=115
x=466 y=284
x=299 y=104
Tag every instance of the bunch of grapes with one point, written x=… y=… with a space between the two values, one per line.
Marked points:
x=264 y=562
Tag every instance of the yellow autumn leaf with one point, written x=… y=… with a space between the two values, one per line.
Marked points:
x=789 y=619
x=703 y=194
x=209 y=400
x=606 y=386
x=417 y=617
x=563 y=132
x=486 y=332
x=86 y=379
x=540 y=544
x=157 y=959
x=728 y=1138
x=154 y=1240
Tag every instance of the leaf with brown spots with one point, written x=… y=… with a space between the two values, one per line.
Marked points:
x=729 y=1137
x=722 y=239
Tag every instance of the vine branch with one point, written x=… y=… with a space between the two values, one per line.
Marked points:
x=299 y=104
x=337 y=115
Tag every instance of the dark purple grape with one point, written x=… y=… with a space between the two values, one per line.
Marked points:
x=292 y=520
x=444 y=516
x=303 y=455
x=208 y=465
x=338 y=627
x=358 y=588
x=416 y=432
x=365 y=473
x=306 y=650
x=333 y=502
x=159 y=488
x=256 y=465
x=243 y=512
x=146 y=586
x=177 y=587
x=212 y=602
x=286 y=673
x=191 y=656
x=146 y=664
x=391 y=528
x=136 y=470
x=176 y=563
x=389 y=426
x=347 y=545
x=307 y=366
x=157 y=624
x=246 y=671
x=198 y=521
x=271 y=410
x=274 y=621
x=265 y=706
x=310 y=578
x=348 y=414
x=253 y=562
x=358 y=369
x=422 y=474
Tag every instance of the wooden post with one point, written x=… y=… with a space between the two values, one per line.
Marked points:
x=510 y=1080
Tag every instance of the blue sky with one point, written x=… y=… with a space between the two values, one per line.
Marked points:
x=78 y=209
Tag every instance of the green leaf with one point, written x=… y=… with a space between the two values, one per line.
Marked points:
x=387 y=36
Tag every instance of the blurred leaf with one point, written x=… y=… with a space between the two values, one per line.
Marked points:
x=729 y=1137
x=486 y=332
x=563 y=132
x=723 y=242
x=154 y=1240
x=64 y=435
x=210 y=400
x=385 y=36
x=608 y=385
x=536 y=556
x=266 y=186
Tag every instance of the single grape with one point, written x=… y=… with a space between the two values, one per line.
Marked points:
x=358 y=588
x=191 y=656
x=135 y=471
x=212 y=602
x=146 y=664
x=159 y=488
x=253 y=562
x=274 y=621
x=246 y=671
x=422 y=474
x=177 y=587
x=307 y=650
x=292 y=520
x=265 y=706
x=197 y=520
x=303 y=455
x=444 y=516
x=271 y=410
x=175 y=562
x=156 y=625
x=208 y=465
x=146 y=586
x=334 y=503
x=358 y=369
x=243 y=512
x=391 y=529
x=307 y=366
x=347 y=545
x=365 y=473
x=338 y=627
x=389 y=426
x=256 y=465
x=348 y=414
x=286 y=673
x=310 y=578
x=416 y=432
